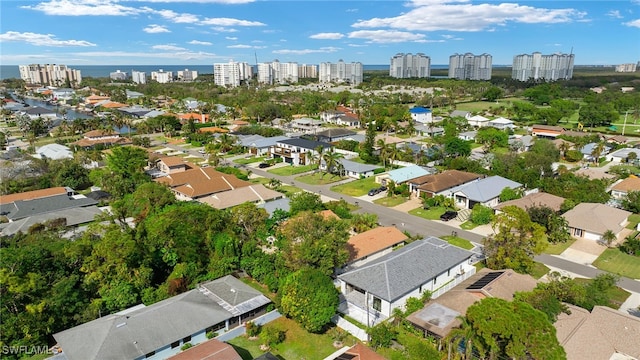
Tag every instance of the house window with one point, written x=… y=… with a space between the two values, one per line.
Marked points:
x=150 y=354
x=435 y=280
x=578 y=232
x=377 y=304
x=187 y=339
x=175 y=344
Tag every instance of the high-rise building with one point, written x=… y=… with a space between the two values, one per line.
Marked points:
x=231 y=74
x=470 y=67
x=50 y=74
x=277 y=73
x=410 y=66
x=341 y=72
x=307 y=71
x=187 y=75
x=537 y=66
x=631 y=67
x=118 y=75
x=162 y=76
x=138 y=77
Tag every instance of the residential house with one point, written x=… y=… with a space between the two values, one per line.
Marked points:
x=253 y=193
x=196 y=117
x=296 y=151
x=61 y=95
x=172 y=165
x=485 y=191
x=53 y=152
x=195 y=183
x=617 y=139
x=357 y=170
x=501 y=123
x=402 y=175
x=208 y=350
x=588 y=150
x=438 y=184
x=272 y=206
x=36 y=112
x=92 y=100
x=306 y=125
x=101 y=137
x=478 y=121
x=533 y=200
x=333 y=134
x=349 y=121
x=358 y=351
x=602 y=334
x=521 y=142
x=387 y=282
x=440 y=315
x=372 y=244
x=421 y=115
x=621 y=155
x=431 y=131
x=591 y=220
x=468 y=135
x=132 y=95
x=547 y=131
x=136 y=112
x=260 y=147
x=158 y=331
x=620 y=189
x=331 y=116
x=460 y=113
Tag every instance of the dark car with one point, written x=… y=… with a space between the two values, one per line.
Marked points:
x=448 y=215
x=374 y=192
x=263 y=165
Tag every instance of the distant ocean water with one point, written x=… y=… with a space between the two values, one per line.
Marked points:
x=11 y=71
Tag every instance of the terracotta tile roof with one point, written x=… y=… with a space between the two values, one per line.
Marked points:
x=445 y=180
x=209 y=350
x=30 y=195
x=113 y=105
x=195 y=116
x=213 y=129
x=373 y=241
x=538 y=199
x=99 y=133
x=171 y=161
x=200 y=182
x=362 y=352
x=631 y=183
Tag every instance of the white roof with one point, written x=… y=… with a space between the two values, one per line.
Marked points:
x=502 y=120
x=53 y=152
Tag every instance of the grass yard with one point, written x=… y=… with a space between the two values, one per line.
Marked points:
x=468 y=225
x=458 y=241
x=356 y=188
x=249 y=160
x=634 y=219
x=617 y=295
x=319 y=178
x=298 y=343
x=433 y=213
x=617 y=262
x=539 y=270
x=390 y=201
x=292 y=170
x=557 y=249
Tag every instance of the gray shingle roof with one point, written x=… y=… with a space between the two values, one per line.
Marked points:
x=356 y=166
x=486 y=189
x=402 y=271
x=304 y=143
x=74 y=217
x=25 y=208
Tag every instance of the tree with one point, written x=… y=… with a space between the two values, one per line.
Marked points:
x=609 y=237
x=556 y=226
x=513 y=329
x=305 y=201
x=516 y=241
x=632 y=202
x=309 y=297
x=493 y=93
x=481 y=214
x=510 y=194
x=491 y=137
x=382 y=335
x=332 y=161
x=125 y=166
x=455 y=147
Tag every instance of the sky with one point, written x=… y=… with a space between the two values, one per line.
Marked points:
x=203 y=32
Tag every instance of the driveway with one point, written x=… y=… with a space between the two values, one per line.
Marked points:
x=583 y=251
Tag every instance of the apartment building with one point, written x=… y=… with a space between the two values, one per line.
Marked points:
x=50 y=74
x=308 y=71
x=162 y=76
x=341 y=72
x=470 y=67
x=139 y=77
x=278 y=73
x=187 y=75
x=627 y=67
x=231 y=74
x=118 y=75
x=537 y=66
x=410 y=66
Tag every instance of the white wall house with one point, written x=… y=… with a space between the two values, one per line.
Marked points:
x=421 y=115
x=485 y=191
x=591 y=220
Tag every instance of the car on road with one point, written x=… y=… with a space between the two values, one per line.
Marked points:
x=202 y=151
x=449 y=215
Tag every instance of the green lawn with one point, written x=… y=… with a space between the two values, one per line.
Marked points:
x=390 y=201
x=458 y=241
x=298 y=343
x=539 y=270
x=557 y=249
x=468 y=225
x=634 y=219
x=249 y=160
x=292 y=170
x=617 y=262
x=319 y=178
x=433 y=213
x=617 y=296
x=356 y=188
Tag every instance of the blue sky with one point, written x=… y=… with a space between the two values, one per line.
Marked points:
x=203 y=32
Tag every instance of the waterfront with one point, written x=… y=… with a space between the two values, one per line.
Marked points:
x=71 y=114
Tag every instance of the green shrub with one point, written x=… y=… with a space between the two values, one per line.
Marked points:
x=382 y=335
x=211 y=334
x=573 y=155
x=252 y=329
x=272 y=336
x=196 y=143
x=186 y=346
x=481 y=214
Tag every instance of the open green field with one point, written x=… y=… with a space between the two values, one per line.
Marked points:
x=356 y=188
x=319 y=178
x=292 y=170
x=617 y=262
x=298 y=343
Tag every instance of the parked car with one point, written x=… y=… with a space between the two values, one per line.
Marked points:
x=263 y=165
x=377 y=191
x=202 y=151
x=449 y=215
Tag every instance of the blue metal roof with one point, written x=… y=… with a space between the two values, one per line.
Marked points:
x=419 y=110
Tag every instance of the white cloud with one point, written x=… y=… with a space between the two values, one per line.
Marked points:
x=463 y=16
x=634 y=23
x=386 y=36
x=198 y=42
x=306 y=51
x=351 y=10
x=41 y=39
x=327 y=36
x=83 y=8
x=357 y=45
x=156 y=29
x=244 y=46
x=184 y=55
x=231 y=38
x=179 y=18
x=230 y=22
x=168 y=47
x=614 y=14
x=223 y=29
x=230 y=2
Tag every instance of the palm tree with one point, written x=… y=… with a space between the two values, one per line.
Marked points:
x=632 y=157
x=564 y=147
x=466 y=336
x=317 y=156
x=596 y=152
x=332 y=161
x=226 y=142
x=384 y=152
x=609 y=237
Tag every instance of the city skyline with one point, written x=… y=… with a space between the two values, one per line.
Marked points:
x=203 y=32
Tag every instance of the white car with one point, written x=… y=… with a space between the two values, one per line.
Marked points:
x=202 y=151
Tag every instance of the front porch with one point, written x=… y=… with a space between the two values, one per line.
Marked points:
x=353 y=305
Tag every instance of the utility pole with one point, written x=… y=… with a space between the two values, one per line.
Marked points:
x=625 y=121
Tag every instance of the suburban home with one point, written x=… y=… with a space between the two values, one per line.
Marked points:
x=333 y=134
x=36 y=112
x=587 y=151
x=196 y=117
x=478 y=121
x=208 y=350
x=501 y=123
x=602 y=334
x=62 y=94
x=253 y=193
x=591 y=220
x=620 y=189
x=349 y=121
x=101 y=137
x=617 y=139
x=561 y=143
x=356 y=170
x=468 y=135
x=485 y=191
x=372 y=244
x=438 y=184
x=306 y=125
x=171 y=165
x=199 y=182
x=532 y=200
x=259 y=145
x=431 y=131
x=358 y=351
x=421 y=115
x=440 y=315
x=386 y=283
x=331 y=116
x=133 y=94
x=547 y=131
x=53 y=152
x=460 y=113
x=521 y=142
x=621 y=155
x=296 y=151
x=402 y=175
x=159 y=330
